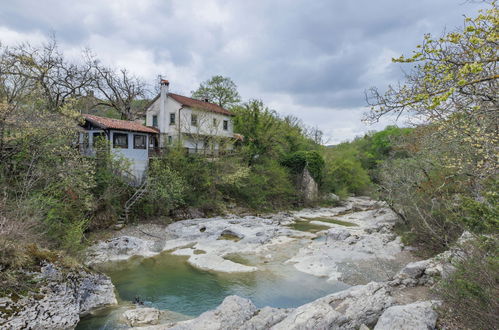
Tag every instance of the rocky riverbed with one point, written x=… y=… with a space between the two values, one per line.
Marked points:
x=374 y=281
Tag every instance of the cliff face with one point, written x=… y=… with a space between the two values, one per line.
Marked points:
x=63 y=297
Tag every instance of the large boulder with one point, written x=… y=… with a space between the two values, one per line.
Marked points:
x=61 y=300
x=416 y=316
x=142 y=316
x=347 y=309
x=231 y=314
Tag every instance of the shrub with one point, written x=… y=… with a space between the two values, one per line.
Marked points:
x=267 y=186
x=346 y=176
x=314 y=162
x=165 y=189
x=470 y=293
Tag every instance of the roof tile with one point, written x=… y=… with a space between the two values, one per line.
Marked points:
x=193 y=103
x=117 y=124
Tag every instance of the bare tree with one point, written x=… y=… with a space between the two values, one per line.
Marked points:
x=47 y=70
x=118 y=90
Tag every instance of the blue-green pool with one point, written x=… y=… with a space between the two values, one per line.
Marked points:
x=169 y=282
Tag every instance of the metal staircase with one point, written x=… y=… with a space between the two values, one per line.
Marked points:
x=137 y=195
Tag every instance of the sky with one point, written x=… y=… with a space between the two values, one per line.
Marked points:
x=312 y=59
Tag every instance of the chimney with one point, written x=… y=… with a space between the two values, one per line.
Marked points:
x=164 y=86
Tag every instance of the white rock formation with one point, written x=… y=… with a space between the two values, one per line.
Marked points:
x=60 y=302
x=119 y=248
x=142 y=316
x=415 y=316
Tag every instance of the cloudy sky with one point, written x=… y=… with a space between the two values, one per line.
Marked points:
x=309 y=58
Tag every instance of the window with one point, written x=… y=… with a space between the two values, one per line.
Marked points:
x=172 y=118
x=155 y=121
x=226 y=125
x=194 y=120
x=85 y=142
x=139 y=141
x=170 y=139
x=215 y=122
x=120 y=140
x=97 y=138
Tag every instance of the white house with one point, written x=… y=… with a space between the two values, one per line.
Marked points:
x=128 y=139
x=199 y=126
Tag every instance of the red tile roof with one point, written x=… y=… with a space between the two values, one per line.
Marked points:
x=198 y=104
x=121 y=125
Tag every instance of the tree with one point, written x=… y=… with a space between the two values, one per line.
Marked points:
x=453 y=87
x=220 y=90
x=260 y=126
x=118 y=90
x=45 y=69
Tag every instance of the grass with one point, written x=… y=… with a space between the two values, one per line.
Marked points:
x=332 y=220
x=307 y=226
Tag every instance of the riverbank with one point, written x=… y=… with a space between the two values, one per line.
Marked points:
x=353 y=244
x=340 y=267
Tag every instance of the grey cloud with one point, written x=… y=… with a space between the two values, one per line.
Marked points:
x=317 y=52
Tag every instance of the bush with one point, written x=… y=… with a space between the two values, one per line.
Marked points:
x=345 y=176
x=470 y=293
x=267 y=186
x=165 y=189
x=314 y=162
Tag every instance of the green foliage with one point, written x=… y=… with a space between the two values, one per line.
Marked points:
x=267 y=135
x=267 y=186
x=345 y=175
x=470 y=293
x=482 y=216
x=165 y=190
x=312 y=160
x=382 y=145
x=199 y=176
x=220 y=90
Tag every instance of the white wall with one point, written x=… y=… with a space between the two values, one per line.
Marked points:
x=163 y=107
x=138 y=158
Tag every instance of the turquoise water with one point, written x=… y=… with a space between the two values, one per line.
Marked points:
x=169 y=282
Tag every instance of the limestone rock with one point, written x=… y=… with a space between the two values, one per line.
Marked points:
x=347 y=309
x=265 y=318
x=231 y=314
x=142 y=316
x=415 y=316
x=120 y=248
x=60 y=301
x=414 y=270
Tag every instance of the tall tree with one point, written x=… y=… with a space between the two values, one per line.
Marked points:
x=118 y=90
x=453 y=87
x=220 y=90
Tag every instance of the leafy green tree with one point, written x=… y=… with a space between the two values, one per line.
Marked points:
x=219 y=90
x=453 y=86
x=260 y=127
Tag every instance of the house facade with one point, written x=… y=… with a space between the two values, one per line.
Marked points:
x=127 y=139
x=198 y=126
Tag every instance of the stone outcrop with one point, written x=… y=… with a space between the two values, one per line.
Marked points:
x=119 y=248
x=347 y=309
x=231 y=314
x=427 y=272
x=416 y=316
x=61 y=300
x=308 y=186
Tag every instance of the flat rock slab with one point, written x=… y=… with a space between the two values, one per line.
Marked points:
x=415 y=316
